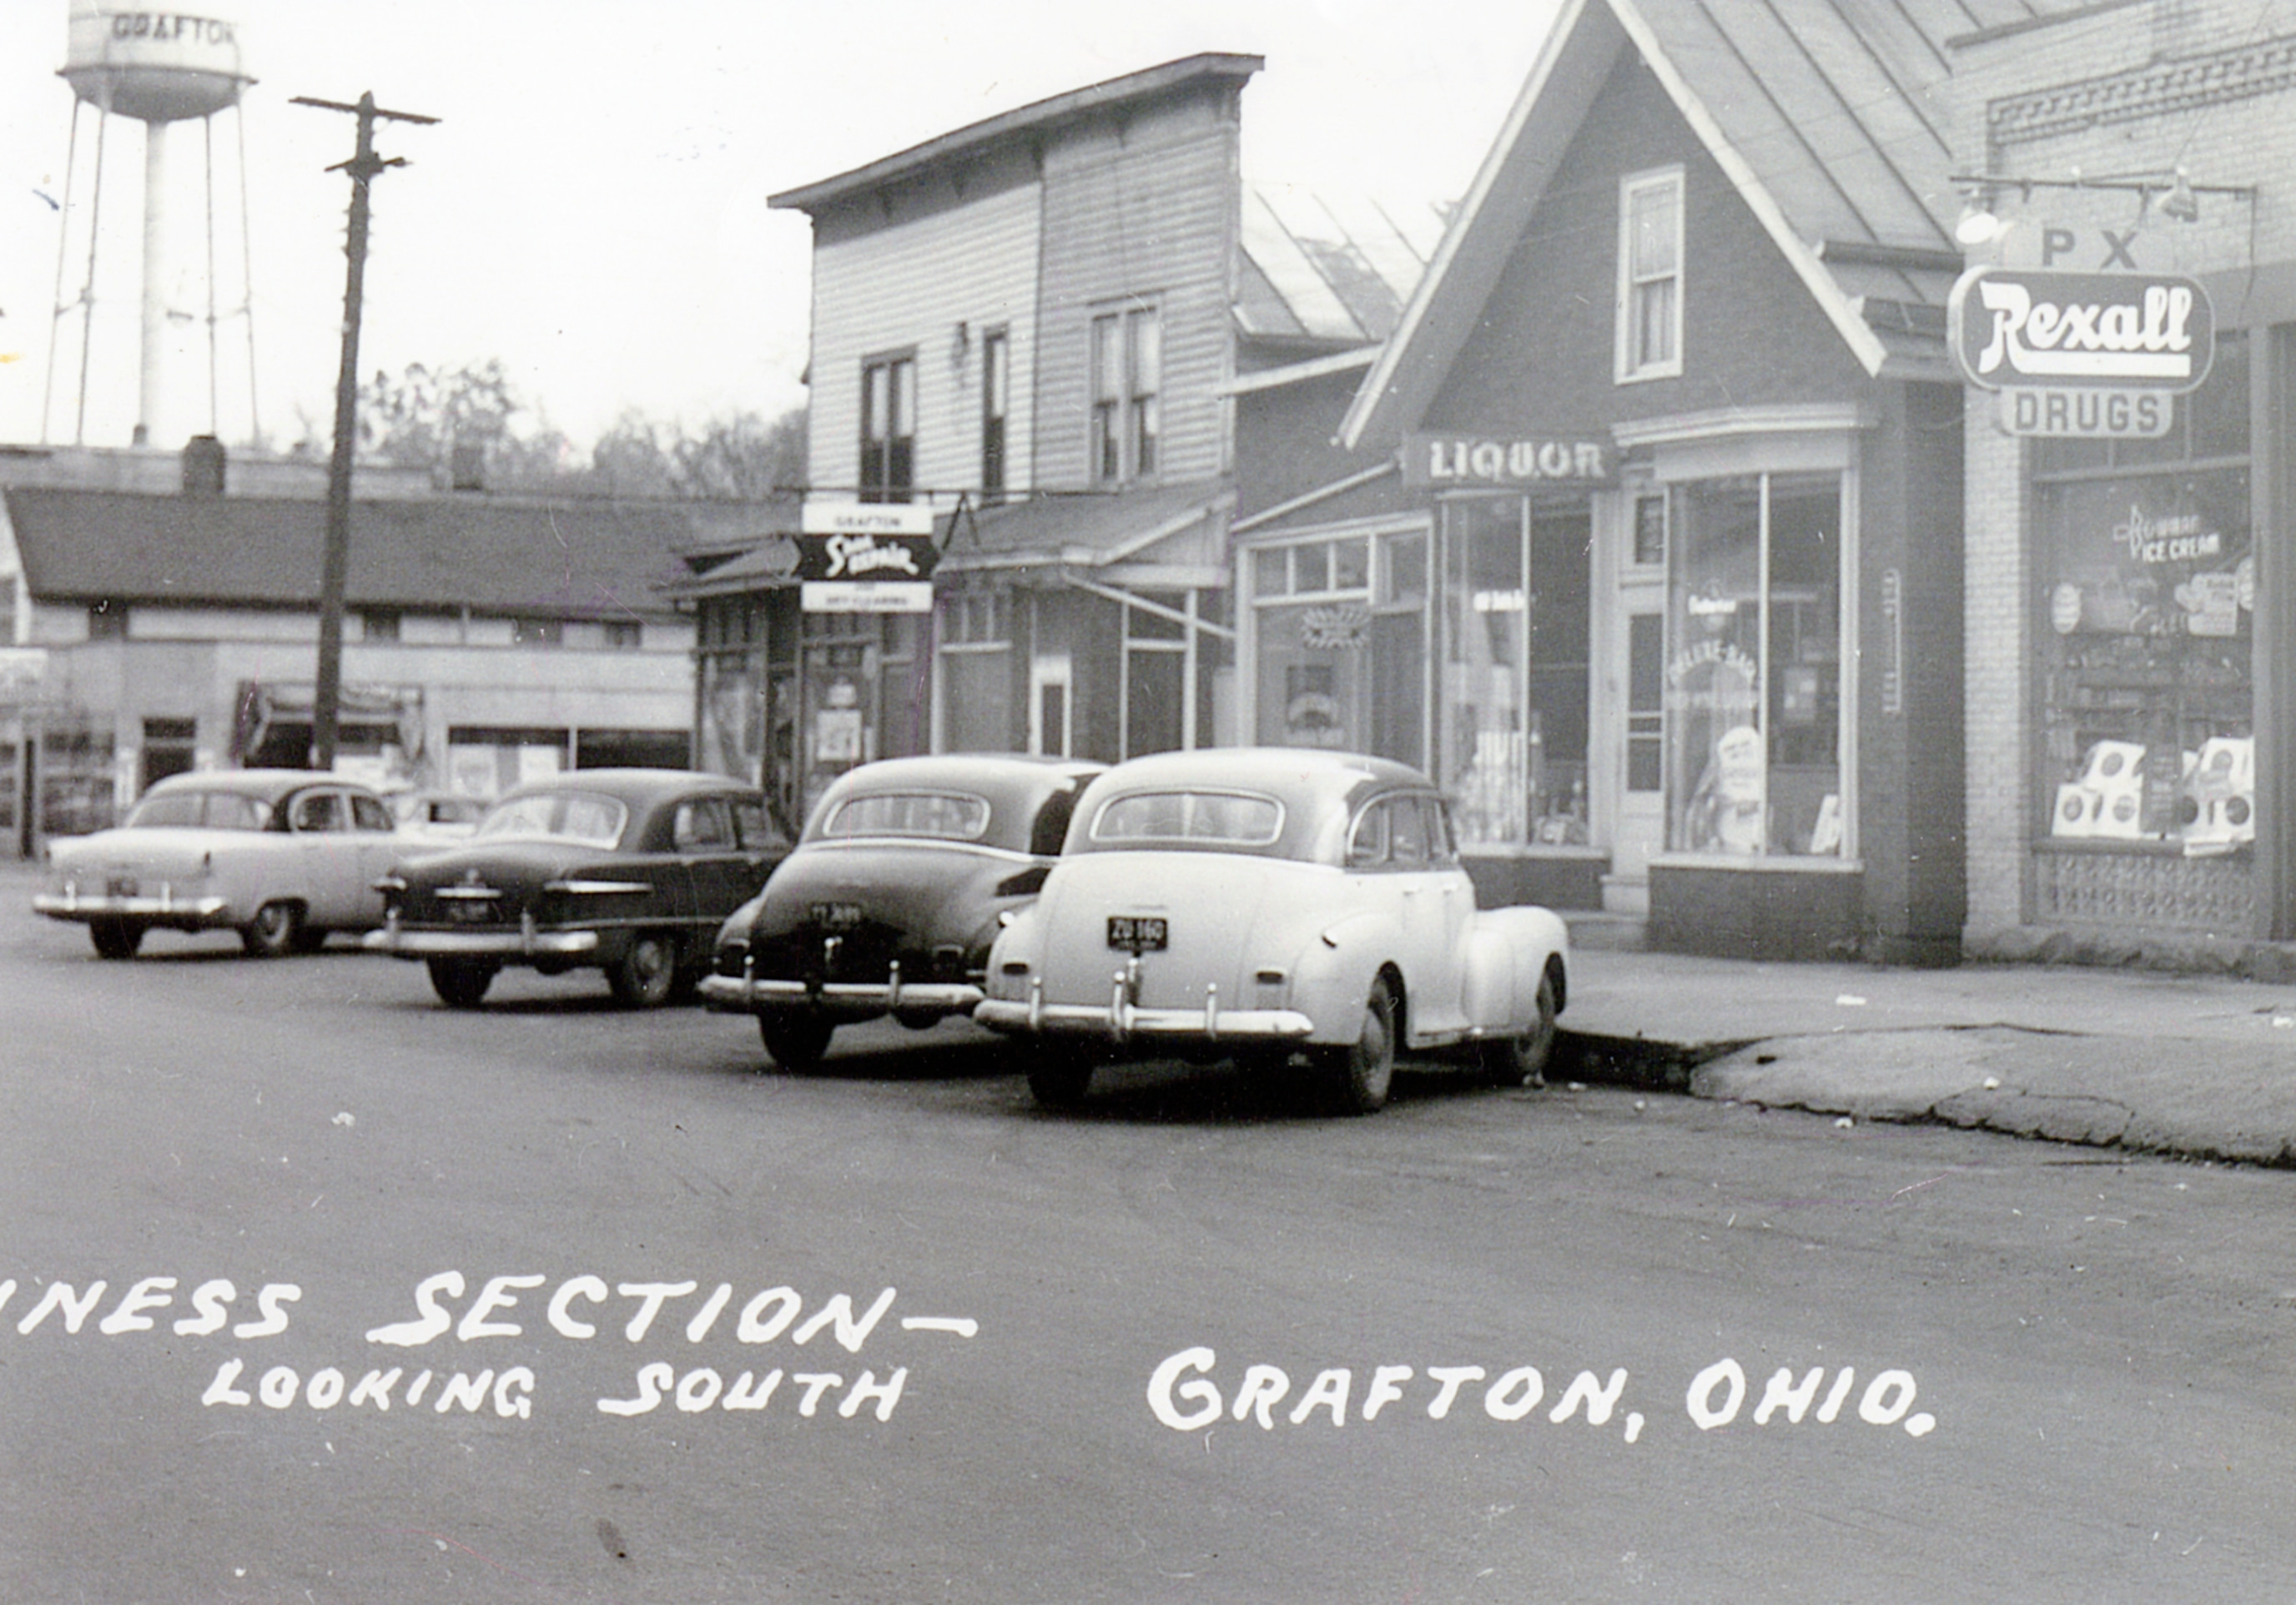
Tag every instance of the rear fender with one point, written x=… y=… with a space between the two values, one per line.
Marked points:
x=1333 y=976
x=1507 y=952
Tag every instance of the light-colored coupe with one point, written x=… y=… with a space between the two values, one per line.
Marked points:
x=282 y=856
x=1253 y=904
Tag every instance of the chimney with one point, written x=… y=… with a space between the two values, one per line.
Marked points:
x=203 y=466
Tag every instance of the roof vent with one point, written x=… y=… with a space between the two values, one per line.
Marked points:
x=203 y=465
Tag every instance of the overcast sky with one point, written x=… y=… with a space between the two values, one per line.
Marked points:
x=590 y=209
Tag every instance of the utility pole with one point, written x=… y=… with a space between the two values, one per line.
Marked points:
x=326 y=700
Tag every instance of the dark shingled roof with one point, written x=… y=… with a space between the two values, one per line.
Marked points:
x=567 y=559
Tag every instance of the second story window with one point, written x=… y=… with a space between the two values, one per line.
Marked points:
x=889 y=428
x=995 y=401
x=1128 y=379
x=1650 y=274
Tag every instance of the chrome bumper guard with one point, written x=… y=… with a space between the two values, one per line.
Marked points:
x=1121 y=1019
x=745 y=994
x=525 y=942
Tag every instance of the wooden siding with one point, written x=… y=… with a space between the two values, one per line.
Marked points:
x=1143 y=206
x=908 y=286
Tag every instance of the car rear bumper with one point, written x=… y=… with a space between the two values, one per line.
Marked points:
x=1119 y=1021
x=432 y=942
x=747 y=995
x=166 y=908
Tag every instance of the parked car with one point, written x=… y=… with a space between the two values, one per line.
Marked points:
x=627 y=871
x=1256 y=904
x=440 y=816
x=283 y=856
x=892 y=897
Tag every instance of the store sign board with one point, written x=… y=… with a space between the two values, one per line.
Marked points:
x=1465 y=462
x=865 y=596
x=855 y=557
x=2009 y=328
x=866 y=518
x=2071 y=412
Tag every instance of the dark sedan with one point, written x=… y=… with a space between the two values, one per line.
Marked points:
x=893 y=895
x=627 y=871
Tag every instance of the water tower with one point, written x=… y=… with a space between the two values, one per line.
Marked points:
x=159 y=68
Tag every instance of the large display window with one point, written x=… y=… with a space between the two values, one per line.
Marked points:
x=1513 y=685
x=1752 y=691
x=2146 y=663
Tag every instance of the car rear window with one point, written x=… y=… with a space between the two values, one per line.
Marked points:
x=941 y=815
x=214 y=810
x=1234 y=819
x=586 y=818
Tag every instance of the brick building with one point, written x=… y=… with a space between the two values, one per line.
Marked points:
x=2131 y=641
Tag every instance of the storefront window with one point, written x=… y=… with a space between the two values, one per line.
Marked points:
x=1753 y=676
x=976 y=671
x=1314 y=600
x=1485 y=617
x=2146 y=677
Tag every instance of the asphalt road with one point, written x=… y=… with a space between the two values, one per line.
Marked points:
x=1196 y=1344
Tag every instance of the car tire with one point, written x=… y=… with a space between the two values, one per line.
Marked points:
x=275 y=931
x=1060 y=1078
x=1361 y=1074
x=795 y=1042
x=1522 y=1060
x=115 y=938
x=647 y=974
x=461 y=983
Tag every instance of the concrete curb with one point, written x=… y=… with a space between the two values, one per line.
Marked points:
x=2135 y=1097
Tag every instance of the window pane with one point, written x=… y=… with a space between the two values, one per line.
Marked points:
x=1716 y=767
x=1486 y=752
x=1652 y=229
x=1270 y=570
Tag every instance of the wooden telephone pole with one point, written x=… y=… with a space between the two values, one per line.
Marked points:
x=326 y=700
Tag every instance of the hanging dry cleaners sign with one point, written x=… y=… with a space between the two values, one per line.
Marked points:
x=1469 y=462
x=857 y=557
x=2082 y=355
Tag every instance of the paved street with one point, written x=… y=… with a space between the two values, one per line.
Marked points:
x=551 y=1302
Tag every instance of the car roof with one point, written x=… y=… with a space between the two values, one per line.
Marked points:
x=634 y=786
x=269 y=784
x=1275 y=769
x=971 y=771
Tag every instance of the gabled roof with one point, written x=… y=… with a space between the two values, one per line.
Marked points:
x=569 y=559
x=1022 y=123
x=1824 y=116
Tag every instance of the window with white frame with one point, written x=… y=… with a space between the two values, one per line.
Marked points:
x=976 y=670
x=1650 y=274
x=1128 y=379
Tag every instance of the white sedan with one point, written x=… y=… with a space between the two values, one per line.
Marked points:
x=283 y=856
x=1253 y=904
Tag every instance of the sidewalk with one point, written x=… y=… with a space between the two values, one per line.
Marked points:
x=2203 y=1066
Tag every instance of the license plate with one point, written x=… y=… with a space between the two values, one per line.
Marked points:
x=121 y=886
x=471 y=911
x=837 y=916
x=1138 y=933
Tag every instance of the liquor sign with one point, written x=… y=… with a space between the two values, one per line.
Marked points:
x=2010 y=329
x=1465 y=461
